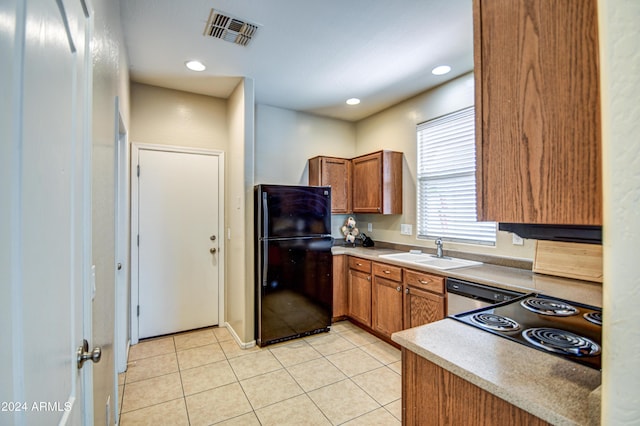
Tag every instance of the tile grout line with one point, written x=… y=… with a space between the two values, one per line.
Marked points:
x=322 y=356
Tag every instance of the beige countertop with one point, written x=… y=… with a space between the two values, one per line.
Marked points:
x=552 y=388
x=497 y=276
x=558 y=391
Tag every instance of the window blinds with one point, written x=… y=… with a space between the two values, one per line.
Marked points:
x=447 y=182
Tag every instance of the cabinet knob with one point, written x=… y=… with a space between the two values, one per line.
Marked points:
x=368 y=278
x=399 y=288
x=424 y=281
x=387 y=272
x=406 y=290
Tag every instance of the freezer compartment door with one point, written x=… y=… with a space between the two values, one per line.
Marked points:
x=292 y=211
x=294 y=292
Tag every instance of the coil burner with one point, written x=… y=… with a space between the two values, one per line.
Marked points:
x=594 y=317
x=561 y=341
x=495 y=322
x=549 y=307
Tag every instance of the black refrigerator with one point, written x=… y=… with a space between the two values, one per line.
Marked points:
x=293 y=262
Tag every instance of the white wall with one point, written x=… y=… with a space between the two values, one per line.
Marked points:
x=286 y=139
x=110 y=77
x=395 y=129
x=239 y=213
x=620 y=89
x=172 y=117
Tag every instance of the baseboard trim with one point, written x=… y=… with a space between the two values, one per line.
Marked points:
x=243 y=345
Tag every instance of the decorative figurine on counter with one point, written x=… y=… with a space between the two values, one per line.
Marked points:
x=350 y=231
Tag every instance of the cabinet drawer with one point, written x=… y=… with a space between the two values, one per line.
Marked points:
x=425 y=281
x=390 y=272
x=360 y=264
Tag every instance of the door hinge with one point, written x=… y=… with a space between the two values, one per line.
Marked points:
x=138 y=240
x=138 y=310
x=138 y=170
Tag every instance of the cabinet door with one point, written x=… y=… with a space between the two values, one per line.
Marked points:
x=367 y=188
x=386 y=306
x=340 y=296
x=360 y=296
x=537 y=111
x=336 y=173
x=377 y=183
x=422 y=307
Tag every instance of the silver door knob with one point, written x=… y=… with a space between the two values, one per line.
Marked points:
x=84 y=354
x=212 y=250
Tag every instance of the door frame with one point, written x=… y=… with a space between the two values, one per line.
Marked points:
x=122 y=240
x=136 y=147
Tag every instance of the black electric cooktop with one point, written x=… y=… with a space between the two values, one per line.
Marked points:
x=556 y=326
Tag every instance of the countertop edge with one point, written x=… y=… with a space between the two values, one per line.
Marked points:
x=520 y=280
x=576 y=411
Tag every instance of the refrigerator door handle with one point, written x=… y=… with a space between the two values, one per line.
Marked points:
x=265 y=262
x=265 y=243
x=265 y=217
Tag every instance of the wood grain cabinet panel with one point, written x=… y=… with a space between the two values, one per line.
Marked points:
x=336 y=173
x=432 y=395
x=340 y=292
x=360 y=264
x=387 y=299
x=422 y=307
x=424 y=298
x=359 y=291
x=424 y=281
x=377 y=183
x=537 y=111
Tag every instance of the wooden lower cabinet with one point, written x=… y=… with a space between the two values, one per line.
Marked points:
x=359 y=290
x=432 y=395
x=424 y=298
x=340 y=293
x=422 y=307
x=387 y=299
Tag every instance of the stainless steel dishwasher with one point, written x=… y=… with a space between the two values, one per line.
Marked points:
x=463 y=296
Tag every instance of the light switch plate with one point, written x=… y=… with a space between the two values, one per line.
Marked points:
x=406 y=229
x=369 y=227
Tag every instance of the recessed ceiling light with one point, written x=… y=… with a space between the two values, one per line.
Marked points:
x=442 y=69
x=353 y=101
x=195 y=65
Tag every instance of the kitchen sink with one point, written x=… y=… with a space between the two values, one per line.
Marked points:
x=431 y=261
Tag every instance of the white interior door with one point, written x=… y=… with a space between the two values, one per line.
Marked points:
x=178 y=246
x=42 y=182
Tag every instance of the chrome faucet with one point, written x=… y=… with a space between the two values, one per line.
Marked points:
x=439 y=252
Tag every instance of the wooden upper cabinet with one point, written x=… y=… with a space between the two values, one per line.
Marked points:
x=537 y=111
x=336 y=173
x=377 y=183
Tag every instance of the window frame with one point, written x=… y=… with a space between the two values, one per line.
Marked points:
x=453 y=131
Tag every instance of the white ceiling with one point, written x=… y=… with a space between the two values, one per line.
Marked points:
x=306 y=55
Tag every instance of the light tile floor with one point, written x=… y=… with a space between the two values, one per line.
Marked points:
x=345 y=377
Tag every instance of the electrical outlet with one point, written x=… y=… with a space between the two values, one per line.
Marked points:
x=517 y=240
x=369 y=227
x=406 y=229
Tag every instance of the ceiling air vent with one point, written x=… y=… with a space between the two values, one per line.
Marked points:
x=228 y=28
